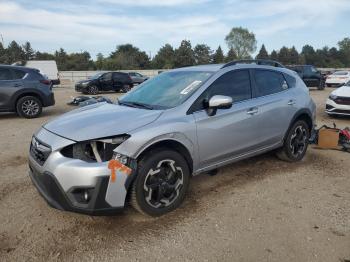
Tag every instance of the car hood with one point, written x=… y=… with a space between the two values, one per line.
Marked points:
x=100 y=120
x=85 y=81
x=342 y=91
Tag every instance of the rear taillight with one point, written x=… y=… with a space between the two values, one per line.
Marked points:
x=45 y=82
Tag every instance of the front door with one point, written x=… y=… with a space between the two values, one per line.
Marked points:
x=229 y=132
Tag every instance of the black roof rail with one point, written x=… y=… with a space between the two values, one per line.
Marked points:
x=254 y=61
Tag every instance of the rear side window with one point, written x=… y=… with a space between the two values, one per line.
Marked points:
x=290 y=80
x=18 y=74
x=5 y=74
x=235 y=84
x=116 y=76
x=269 y=82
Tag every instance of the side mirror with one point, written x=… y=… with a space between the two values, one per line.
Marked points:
x=218 y=102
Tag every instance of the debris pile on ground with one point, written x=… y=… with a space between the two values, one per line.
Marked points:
x=88 y=100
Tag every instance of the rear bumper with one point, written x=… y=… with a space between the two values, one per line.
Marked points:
x=50 y=189
x=49 y=100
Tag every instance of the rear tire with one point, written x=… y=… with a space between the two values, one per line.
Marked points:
x=125 y=88
x=161 y=183
x=296 y=142
x=29 y=107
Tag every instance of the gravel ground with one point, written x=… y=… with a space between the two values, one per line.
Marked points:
x=260 y=209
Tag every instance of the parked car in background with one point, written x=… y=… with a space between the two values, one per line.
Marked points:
x=310 y=75
x=137 y=78
x=180 y=123
x=24 y=90
x=105 y=81
x=338 y=78
x=47 y=68
x=338 y=102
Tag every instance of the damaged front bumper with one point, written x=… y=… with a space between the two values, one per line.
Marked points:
x=73 y=184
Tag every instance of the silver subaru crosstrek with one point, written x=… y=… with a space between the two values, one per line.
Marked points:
x=144 y=148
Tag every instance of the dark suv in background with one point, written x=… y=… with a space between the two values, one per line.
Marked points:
x=105 y=81
x=24 y=90
x=137 y=78
x=310 y=75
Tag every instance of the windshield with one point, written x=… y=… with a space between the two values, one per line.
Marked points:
x=96 y=76
x=167 y=90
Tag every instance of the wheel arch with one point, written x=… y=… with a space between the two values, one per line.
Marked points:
x=27 y=93
x=169 y=144
x=302 y=114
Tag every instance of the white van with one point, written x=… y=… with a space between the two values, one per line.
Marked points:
x=47 y=68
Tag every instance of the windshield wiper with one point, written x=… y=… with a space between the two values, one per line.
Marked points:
x=135 y=104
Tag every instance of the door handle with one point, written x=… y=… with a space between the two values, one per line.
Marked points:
x=252 y=111
x=291 y=102
x=17 y=85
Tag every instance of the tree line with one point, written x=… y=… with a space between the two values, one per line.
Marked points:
x=240 y=41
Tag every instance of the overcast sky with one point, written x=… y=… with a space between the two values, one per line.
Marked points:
x=100 y=25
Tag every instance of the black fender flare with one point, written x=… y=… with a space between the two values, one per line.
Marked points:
x=301 y=114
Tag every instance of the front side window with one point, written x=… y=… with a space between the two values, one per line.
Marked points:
x=107 y=77
x=166 y=90
x=269 y=82
x=235 y=84
x=5 y=74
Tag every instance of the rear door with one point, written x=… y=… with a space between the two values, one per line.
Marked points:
x=117 y=81
x=106 y=82
x=10 y=83
x=275 y=101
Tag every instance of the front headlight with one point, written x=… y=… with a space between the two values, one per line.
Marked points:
x=97 y=150
x=332 y=97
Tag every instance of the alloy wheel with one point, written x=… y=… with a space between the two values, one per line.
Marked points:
x=298 y=141
x=30 y=107
x=162 y=185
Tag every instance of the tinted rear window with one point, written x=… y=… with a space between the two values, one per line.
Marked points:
x=18 y=74
x=269 y=82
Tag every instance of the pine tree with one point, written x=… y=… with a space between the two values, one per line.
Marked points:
x=262 y=53
x=29 y=53
x=231 y=55
x=184 y=55
x=274 y=55
x=294 y=56
x=218 y=56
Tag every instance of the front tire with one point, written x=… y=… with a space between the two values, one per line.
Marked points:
x=161 y=183
x=92 y=90
x=29 y=107
x=296 y=142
